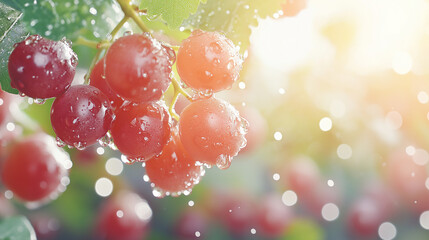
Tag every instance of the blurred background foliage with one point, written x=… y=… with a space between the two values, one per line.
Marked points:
x=337 y=98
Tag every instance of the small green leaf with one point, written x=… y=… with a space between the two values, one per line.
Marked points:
x=56 y=19
x=16 y=228
x=11 y=31
x=233 y=18
x=172 y=11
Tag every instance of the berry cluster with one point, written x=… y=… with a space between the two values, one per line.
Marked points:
x=123 y=105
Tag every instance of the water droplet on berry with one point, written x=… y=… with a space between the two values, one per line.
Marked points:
x=126 y=160
x=127 y=33
x=223 y=161
x=60 y=142
x=79 y=145
x=158 y=193
x=39 y=101
x=231 y=64
x=207 y=93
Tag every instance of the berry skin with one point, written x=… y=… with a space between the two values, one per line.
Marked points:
x=173 y=171
x=34 y=168
x=138 y=68
x=212 y=131
x=208 y=61
x=98 y=80
x=42 y=68
x=140 y=131
x=81 y=115
x=123 y=217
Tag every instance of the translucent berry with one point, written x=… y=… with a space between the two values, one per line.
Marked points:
x=208 y=61
x=98 y=80
x=41 y=68
x=81 y=115
x=212 y=131
x=140 y=131
x=174 y=171
x=34 y=168
x=138 y=68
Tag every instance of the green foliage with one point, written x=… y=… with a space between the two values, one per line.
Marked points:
x=304 y=230
x=234 y=18
x=16 y=228
x=11 y=31
x=172 y=11
x=56 y=19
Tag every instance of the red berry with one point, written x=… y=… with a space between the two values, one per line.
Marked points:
x=45 y=226
x=291 y=8
x=98 y=80
x=140 y=131
x=208 y=61
x=302 y=175
x=212 y=131
x=408 y=180
x=173 y=171
x=192 y=224
x=42 y=68
x=365 y=216
x=273 y=217
x=81 y=115
x=138 y=68
x=34 y=168
x=123 y=217
x=236 y=212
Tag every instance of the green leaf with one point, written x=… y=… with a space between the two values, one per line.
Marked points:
x=233 y=18
x=11 y=31
x=304 y=230
x=172 y=11
x=16 y=228
x=56 y=19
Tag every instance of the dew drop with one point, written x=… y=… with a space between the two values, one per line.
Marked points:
x=60 y=142
x=158 y=193
x=223 y=161
x=79 y=145
x=126 y=160
x=127 y=33
x=39 y=101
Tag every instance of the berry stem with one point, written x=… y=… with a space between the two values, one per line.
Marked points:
x=86 y=42
x=104 y=44
x=92 y=44
x=179 y=89
x=131 y=12
x=173 y=103
x=118 y=27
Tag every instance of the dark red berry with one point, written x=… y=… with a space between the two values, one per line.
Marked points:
x=81 y=115
x=42 y=68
